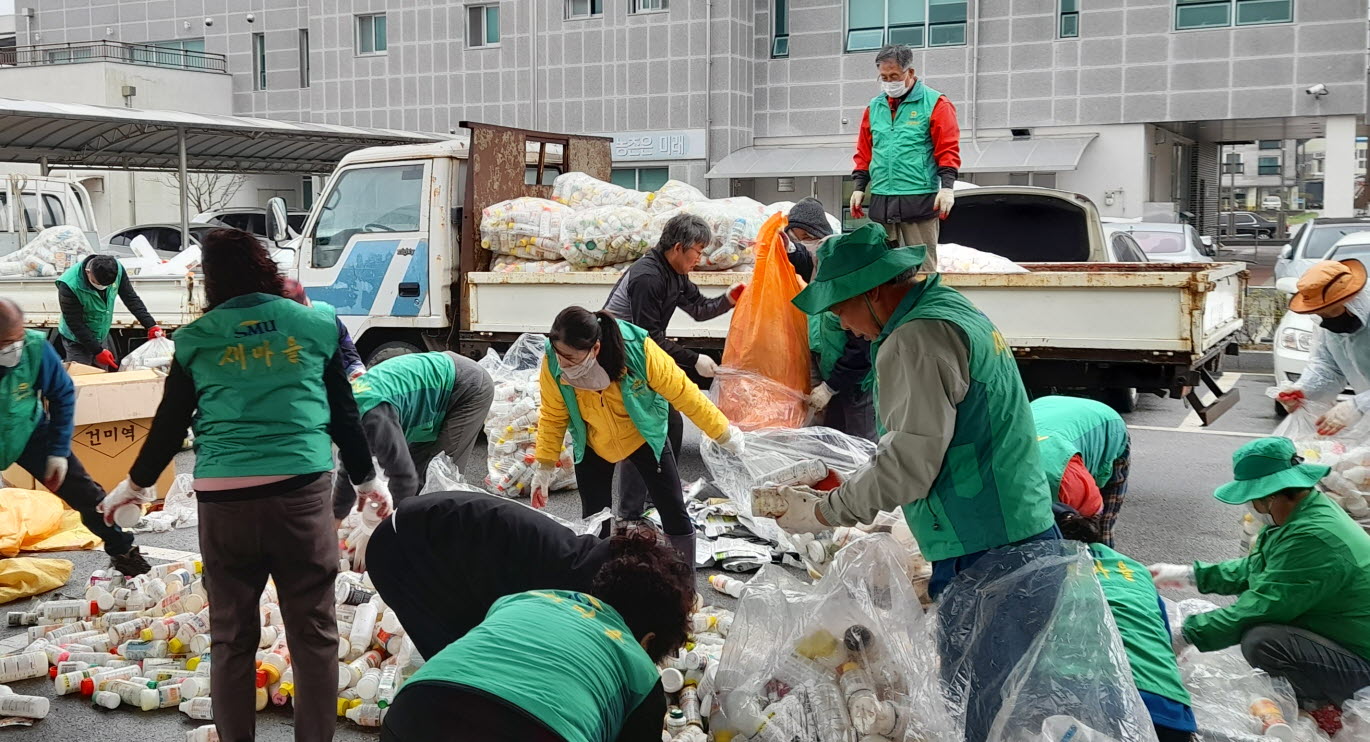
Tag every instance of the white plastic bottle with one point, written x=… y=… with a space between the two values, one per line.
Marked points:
x=204 y=734
x=390 y=676
x=29 y=707
x=200 y=708
x=135 y=694
x=363 y=626
x=368 y=688
x=366 y=715
x=23 y=666
x=106 y=699
x=728 y=585
x=58 y=609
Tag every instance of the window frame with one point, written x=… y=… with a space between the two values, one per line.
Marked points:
x=384 y=37
x=311 y=228
x=637 y=175
x=1233 y=13
x=484 y=9
x=1261 y=144
x=302 y=48
x=636 y=7
x=591 y=11
x=780 y=29
x=1064 y=15
x=259 y=77
x=1264 y=168
x=926 y=27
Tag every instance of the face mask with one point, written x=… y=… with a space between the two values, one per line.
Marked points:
x=894 y=89
x=10 y=354
x=587 y=374
x=1265 y=519
x=1342 y=324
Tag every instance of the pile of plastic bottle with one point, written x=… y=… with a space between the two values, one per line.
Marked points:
x=511 y=429
x=583 y=191
x=689 y=676
x=734 y=222
x=607 y=235
x=525 y=227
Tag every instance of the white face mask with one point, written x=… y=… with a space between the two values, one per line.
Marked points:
x=10 y=354
x=1265 y=519
x=894 y=89
x=587 y=374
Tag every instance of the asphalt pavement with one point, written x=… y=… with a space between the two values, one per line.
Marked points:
x=1169 y=515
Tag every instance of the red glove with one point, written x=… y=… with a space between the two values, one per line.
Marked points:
x=735 y=292
x=106 y=359
x=155 y=332
x=1292 y=399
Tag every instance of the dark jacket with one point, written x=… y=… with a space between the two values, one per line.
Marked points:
x=75 y=313
x=649 y=293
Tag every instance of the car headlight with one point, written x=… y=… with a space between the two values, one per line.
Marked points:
x=1295 y=339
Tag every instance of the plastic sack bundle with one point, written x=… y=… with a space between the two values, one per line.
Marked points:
x=606 y=235
x=753 y=402
x=953 y=258
x=673 y=194
x=47 y=255
x=1027 y=638
x=581 y=191
x=511 y=426
x=154 y=354
x=1348 y=453
x=524 y=227
x=510 y=264
x=734 y=222
x=846 y=658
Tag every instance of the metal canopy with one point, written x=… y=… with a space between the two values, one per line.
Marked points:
x=1044 y=154
x=91 y=137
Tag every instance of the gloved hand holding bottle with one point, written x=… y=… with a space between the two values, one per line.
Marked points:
x=374 y=492
x=127 y=493
x=794 y=507
x=820 y=397
x=1172 y=575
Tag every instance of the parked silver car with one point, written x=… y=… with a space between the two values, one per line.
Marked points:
x=1165 y=242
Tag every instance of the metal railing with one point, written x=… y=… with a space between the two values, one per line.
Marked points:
x=112 y=51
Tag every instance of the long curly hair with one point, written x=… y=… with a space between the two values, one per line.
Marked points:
x=235 y=264
x=651 y=586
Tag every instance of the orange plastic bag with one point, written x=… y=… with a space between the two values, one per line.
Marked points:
x=769 y=337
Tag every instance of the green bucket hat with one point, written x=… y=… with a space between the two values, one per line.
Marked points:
x=853 y=264
x=1265 y=466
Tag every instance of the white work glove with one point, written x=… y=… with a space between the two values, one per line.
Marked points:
x=1339 y=418
x=55 y=473
x=374 y=492
x=706 y=366
x=856 y=210
x=127 y=493
x=1172 y=575
x=542 y=485
x=820 y=397
x=946 y=197
x=794 y=507
x=731 y=441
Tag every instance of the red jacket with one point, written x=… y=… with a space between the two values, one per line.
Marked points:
x=946 y=142
x=1079 y=490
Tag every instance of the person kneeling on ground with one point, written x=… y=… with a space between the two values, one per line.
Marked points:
x=1303 y=606
x=1086 y=453
x=559 y=665
x=1142 y=623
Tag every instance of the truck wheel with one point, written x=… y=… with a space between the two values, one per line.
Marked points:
x=1121 y=400
x=391 y=349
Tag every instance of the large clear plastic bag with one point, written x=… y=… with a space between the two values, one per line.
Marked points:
x=48 y=254
x=1348 y=453
x=849 y=656
x=510 y=264
x=734 y=222
x=511 y=427
x=953 y=258
x=443 y=475
x=674 y=194
x=1355 y=718
x=581 y=191
x=753 y=402
x=606 y=235
x=1027 y=636
x=525 y=227
x=156 y=353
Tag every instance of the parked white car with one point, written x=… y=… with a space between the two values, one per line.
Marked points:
x=1311 y=243
x=1271 y=203
x=1165 y=242
x=1294 y=335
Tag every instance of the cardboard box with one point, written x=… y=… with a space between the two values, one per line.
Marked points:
x=113 y=416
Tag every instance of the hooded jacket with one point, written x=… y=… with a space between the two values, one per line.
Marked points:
x=1340 y=359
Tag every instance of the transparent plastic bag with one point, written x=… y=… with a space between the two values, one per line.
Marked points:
x=953 y=258
x=734 y=222
x=606 y=235
x=181 y=502
x=511 y=425
x=753 y=402
x=524 y=227
x=156 y=353
x=1222 y=687
x=1355 y=718
x=581 y=191
x=1026 y=635
x=443 y=476
x=1348 y=453
x=673 y=194
x=849 y=656
x=510 y=264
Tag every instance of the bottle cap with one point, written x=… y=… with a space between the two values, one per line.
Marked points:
x=261 y=679
x=671 y=680
x=145 y=635
x=87 y=687
x=342 y=707
x=191 y=663
x=271 y=674
x=52 y=672
x=176 y=646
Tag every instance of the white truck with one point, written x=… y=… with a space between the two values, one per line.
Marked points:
x=393 y=244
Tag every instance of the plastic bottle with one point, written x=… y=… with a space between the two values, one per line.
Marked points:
x=195 y=687
x=806 y=473
x=830 y=711
x=385 y=694
x=29 y=707
x=728 y=585
x=366 y=715
x=285 y=689
x=23 y=666
x=691 y=734
x=164 y=628
x=363 y=626
x=203 y=734
x=141 y=650
x=274 y=665
x=351 y=593
x=135 y=694
x=15 y=619
x=672 y=680
x=102 y=679
x=1268 y=713
x=200 y=708
x=127 y=630
x=368 y=688
x=689 y=705
x=106 y=699
x=56 y=609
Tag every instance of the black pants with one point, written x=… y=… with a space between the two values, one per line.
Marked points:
x=595 y=480
x=633 y=495
x=1320 y=670
x=72 y=351
x=1166 y=734
x=434 y=712
x=78 y=490
x=430 y=601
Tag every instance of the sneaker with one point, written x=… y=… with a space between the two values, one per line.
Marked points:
x=131 y=563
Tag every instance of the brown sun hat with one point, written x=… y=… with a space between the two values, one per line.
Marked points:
x=1326 y=283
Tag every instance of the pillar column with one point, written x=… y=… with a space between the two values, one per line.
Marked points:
x=1339 y=167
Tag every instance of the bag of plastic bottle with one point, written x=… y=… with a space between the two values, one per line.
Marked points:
x=735 y=223
x=674 y=194
x=50 y=253
x=851 y=656
x=582 y=191
x=511 y=425
x=156 y=353
x=1026 y=635
x=1347 y=452
x=606 y=235
x=510 y=264
x=953 y=258
x=523 y=227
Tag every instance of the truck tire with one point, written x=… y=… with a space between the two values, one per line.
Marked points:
x=1121 y=400
x=391 y=349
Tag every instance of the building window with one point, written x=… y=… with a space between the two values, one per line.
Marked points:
x=304 y=57
x=1232 y=164
x=1216 y=13
x=873 y=23
x=1070 y=19
x=259 y=61
x=1269 y=166
x=1270 y=144
x=780 y=45
x=641 y=178
x=482 y=25
x=371 y=34
x=584 y=8
x=649 y=6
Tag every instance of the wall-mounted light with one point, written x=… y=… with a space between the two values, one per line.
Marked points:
x=251 y=17
x=209 y=21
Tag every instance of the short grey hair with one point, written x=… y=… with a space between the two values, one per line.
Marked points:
x=897 y=53
x=686 y=230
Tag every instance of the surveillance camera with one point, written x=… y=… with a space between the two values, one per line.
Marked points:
x=1317 y=90
x=209 y=21
x=251 y=17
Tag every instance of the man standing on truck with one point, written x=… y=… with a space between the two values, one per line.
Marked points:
x=647 y=296
x=907 y=154
x=86 y=294
x=39 y=441
x=1335 y=291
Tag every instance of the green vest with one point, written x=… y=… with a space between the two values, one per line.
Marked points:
x=902 y=161
x=1067 y=426
x=990 y=491
x=564 y=658
x=257 y=362
x=417 y=385
x=1136 y=609
x=20 y=406
x=647 y=409
x=98 y=305
x=828 y=340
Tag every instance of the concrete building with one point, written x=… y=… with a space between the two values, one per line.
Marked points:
x=1125 y=101
x=1255 y=173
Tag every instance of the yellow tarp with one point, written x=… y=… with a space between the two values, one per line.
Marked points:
x=26 y=576
x=39 y=521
